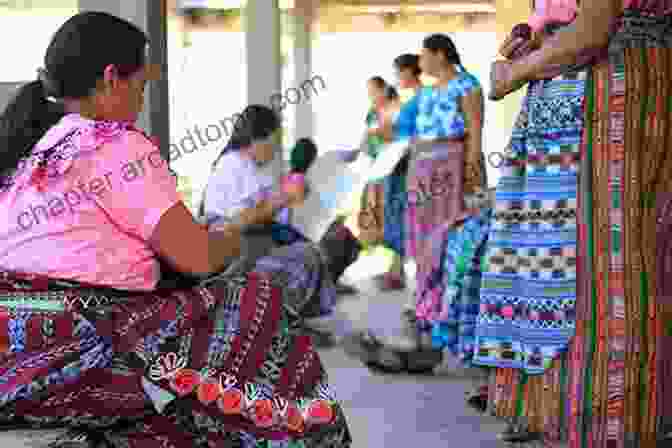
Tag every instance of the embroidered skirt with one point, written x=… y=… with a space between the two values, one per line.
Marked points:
x=459 y=283
x=222 y=364
x=435 y=205
x=528 y=289
x=613 y=381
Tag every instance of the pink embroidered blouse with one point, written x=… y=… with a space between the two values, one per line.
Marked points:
x=84 y=204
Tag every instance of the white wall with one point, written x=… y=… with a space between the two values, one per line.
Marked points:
x=25 y=35
x=207 y=84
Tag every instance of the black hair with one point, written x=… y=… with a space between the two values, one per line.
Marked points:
x=408 y=61
x=391 y=93
x=378 y=81
x=75 y=60
x=445 y=45
x=256 y=122
x=303 y=155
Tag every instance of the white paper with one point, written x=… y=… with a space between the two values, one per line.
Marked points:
x=333 y=185
x=388 y=158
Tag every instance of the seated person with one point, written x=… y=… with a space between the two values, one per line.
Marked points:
x=239 y=188
x=88 y=208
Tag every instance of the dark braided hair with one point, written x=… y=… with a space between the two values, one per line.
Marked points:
x=445 y=45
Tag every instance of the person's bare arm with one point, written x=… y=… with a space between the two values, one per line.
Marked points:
x=472 y=105
x=189 y=247
x=591 y=30
x=266 y=210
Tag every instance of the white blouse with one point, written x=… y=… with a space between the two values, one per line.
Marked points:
x=236 y=184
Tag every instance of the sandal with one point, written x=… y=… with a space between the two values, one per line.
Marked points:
x=381 y=357
x=518 y=433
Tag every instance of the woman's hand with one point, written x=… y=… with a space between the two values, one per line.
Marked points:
x=296 y=195
x=229 y=228
x=510 y=44
x=503 y=80
x=294 y=186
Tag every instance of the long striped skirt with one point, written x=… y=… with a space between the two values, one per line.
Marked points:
x=221 y=364
x=614 y=400
x=617 y=370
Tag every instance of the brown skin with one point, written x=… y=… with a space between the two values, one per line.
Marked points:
x=591 y=30
x=435 y=64
x=264 y=211
x=407 y=78
x=177 y=238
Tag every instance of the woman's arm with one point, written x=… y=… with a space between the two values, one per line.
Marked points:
x=189 y=247
x=591 y=30
x=472 y=104
x=265 y=210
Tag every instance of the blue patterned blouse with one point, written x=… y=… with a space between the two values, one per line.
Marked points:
x=435 y=112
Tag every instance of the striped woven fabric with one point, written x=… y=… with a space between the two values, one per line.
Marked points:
x=528 y=290
x=224 y=363
x=614 y=380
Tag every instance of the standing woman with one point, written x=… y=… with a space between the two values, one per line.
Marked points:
x=407 y=68
x=530 y=261
x=371 y=215
x=394 y=196
x=621 y=324
x=446 y=162
x=444 y=126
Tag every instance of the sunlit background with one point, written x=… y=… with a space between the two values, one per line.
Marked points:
x=207 y=65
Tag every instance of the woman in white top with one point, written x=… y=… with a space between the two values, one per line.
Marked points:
x=239 y=189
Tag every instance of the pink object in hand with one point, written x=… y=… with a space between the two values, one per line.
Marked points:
x=552 y=11
x=293 y=182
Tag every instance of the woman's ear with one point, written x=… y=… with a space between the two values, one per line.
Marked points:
x=110 y=77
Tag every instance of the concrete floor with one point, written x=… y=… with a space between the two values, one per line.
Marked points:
x=384 y=411
x=398 y=411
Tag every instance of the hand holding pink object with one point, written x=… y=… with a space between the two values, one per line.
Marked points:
x=294 y=185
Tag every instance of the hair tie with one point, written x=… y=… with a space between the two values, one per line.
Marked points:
x=48 y=84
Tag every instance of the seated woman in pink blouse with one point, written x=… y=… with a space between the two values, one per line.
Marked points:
x=88 y=207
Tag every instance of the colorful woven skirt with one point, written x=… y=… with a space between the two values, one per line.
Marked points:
x=223 y=364
x=619 y=361
x=615 y=403
x=459 y=280
x=435 y=204
x=528 y=290
x=395 y=208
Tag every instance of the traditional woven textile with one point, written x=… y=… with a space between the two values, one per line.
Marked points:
x=459 y=283
x=664 y=295
x=528 y=290
x=539 y=402
x=222 y=364
x=394 y=211
x=435 y=203
x=628 y=121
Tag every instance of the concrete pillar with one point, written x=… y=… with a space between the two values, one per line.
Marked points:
x=264 y=70
x=305 y=13
x=150 y=16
